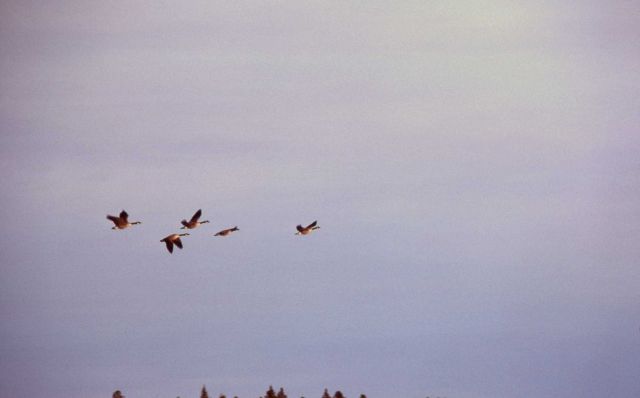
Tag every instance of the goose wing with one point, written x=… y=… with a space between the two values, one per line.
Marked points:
x=178 y=242
x=313 y=224
x=169 y=245
x=299 y=228
x=114 y=219
x=185 y=223
x=196 y=216
x=124 y=216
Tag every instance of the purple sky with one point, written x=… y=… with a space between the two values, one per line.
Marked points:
x=474 y=167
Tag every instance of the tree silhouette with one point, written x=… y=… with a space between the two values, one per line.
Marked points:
x=270 y=393
x=203 y=393
x=223 y=396
x=338 y=394
x=326 y=394
x=117 y=394
x=363 y=396
x=281 y=393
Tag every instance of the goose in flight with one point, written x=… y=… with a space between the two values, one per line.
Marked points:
x=121 y=222
x=173 y=239
x=226 y=232
x=308 y=229
x=193 y=223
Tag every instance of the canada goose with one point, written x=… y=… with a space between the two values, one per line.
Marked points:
x=226 y=232
x=122 y=221
x=173 y=239
x=193 y=223
x=307 y=230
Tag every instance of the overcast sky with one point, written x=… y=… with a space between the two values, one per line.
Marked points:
x=474 y=167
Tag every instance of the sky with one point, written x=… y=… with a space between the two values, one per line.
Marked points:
x=473 y=166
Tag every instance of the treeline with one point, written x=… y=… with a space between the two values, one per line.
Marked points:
x=271 y=393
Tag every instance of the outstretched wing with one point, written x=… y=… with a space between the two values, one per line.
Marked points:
x=196 y=216
x=185 y=223
x=169 y=245
x=313 y=224
x=124 y=216
x=114 y=219
x=299 y=228
x=178 y=242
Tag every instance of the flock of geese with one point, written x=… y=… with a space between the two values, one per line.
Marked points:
x=122 y=222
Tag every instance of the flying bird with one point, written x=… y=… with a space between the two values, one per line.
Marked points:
x=226 y=232
x=122 y=221
x=193 y=223
x=173 y=239
x=308 y=229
